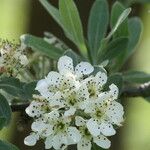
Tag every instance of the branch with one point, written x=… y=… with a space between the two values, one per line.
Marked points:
x=19 y=107
x=140 y=91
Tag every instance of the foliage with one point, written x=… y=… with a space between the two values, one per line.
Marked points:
x=112 y=37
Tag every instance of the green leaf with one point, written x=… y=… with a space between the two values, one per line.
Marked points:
x=39 y=44
x=136 y=77
x=97 y=25
x=51 y=10
x=72 y=24
x=75 y=57
x=118 y=9
x=16 y=88
x=135 y=30
x=114 y=49
x=29 y=90
x=120 y=20
x=7 y=146
x=5 y=112
x=117 y=80
x=11 y=85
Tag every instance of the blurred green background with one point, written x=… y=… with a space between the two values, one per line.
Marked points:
x=28 y=16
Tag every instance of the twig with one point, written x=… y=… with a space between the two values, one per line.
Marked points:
x=140 y=91
x=19 y=107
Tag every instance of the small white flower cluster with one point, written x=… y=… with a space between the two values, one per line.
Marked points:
x=73 y=108
x=12 y=58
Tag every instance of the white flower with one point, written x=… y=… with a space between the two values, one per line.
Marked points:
x=12 y=58
x=74 y=108
x=95 y=84
x=65 y=66
x=86 y=138
x=31 y=139
x=105 y=111
x=63 y=133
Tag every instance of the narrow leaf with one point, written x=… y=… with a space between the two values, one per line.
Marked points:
x=136 y=77
x=135 y=30
x=118 y=9
x=72 y=24
x=38 y=44
x=7 y=146
x=11 y=85
x=97 y=25
x=5 y=112
x=16 y=88
x=51 y=10
x=114 y=49
x=120 y=20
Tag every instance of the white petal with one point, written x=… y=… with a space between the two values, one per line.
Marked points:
x=74 y=134
x=107 y=129
x=93 y=127
x=48 y=130
x=52 y=116
x=114 y=91
x=83 y=93
x=84 y=68
x=53 y=78
x=34 y=109
x=31 y=139
x=90 y=107
x=115 y=112
x=57 y=141
x=79 y=121
x=70 y=112
x=102 y=141
x=84 y=144
x=101 y=78
x=57 y=100
x=42 y=85
x=65 y=65
x=38 y=126
x=48 y=142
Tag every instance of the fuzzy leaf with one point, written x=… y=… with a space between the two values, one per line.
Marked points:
x=38 y=44
x=136 y=77
x=120 y=20
x=7 y=146
x=5 y=112
x=97 y=25
x=16 y=88
x=72 y=24
x=135 y=30
x=122 y=30
x=51 y=10
x=114 y=49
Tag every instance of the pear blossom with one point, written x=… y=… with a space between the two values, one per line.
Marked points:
x=105 y=112
x=74 y=108
x=12 y=58
x=87 y=138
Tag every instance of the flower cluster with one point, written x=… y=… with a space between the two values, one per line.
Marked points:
x=73 y=108
x=12 y=58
